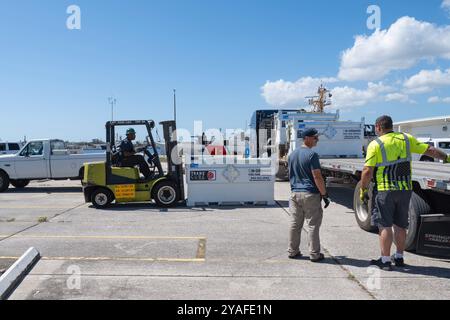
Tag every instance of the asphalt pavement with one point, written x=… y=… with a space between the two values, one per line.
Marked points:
x=139 y=251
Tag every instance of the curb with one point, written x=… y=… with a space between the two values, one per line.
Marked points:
x=12 y=278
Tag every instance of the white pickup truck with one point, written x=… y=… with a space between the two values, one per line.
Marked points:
x=43 y=159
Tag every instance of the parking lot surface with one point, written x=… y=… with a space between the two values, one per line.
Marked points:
x=139 y=251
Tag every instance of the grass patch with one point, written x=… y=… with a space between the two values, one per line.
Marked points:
x=42 y=219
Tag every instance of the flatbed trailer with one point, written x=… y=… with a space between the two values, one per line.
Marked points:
x=429 y=214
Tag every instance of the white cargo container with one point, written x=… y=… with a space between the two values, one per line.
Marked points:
x=229 y=180
x=338 y=139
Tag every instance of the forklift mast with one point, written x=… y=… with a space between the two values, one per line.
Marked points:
x=174 y=159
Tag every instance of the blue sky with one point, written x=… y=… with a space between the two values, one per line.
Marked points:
x=223 y=57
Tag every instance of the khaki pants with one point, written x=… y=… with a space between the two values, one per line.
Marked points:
x=305 y=206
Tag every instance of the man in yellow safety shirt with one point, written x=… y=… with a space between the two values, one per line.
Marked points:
x=388 y=161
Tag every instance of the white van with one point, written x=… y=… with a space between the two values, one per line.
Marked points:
x=10 y=147
x=440 y=143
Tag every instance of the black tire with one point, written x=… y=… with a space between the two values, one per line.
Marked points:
x=102 y=198
x=20 y=184
x=4 y=181
x=363 y=212
x=417 y=207
x=166 y=194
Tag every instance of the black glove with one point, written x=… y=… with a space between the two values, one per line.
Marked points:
x=326 y=200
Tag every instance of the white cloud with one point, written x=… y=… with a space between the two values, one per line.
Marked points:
x=403 y=45
x=446 y=5
x=399 y=97
x=427 y=80
x=283 y=93
x=286 y=93
x=348 y=97
x=436 y=100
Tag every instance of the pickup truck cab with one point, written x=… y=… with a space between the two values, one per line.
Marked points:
x=9 y=147
x=43 y=159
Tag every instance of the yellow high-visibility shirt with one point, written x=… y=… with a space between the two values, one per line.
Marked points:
x=396 y=176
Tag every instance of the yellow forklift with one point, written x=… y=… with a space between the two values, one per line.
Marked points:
x=108 y=182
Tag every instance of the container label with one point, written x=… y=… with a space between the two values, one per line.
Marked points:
x=203 y=175
x=259 y=175
x=352 y=134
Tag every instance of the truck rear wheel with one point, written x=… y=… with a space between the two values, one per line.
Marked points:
x=166 y=194
x=101 y=198
x=20 y=184
x=363 y=212
x=4 y=181
x=417 y=207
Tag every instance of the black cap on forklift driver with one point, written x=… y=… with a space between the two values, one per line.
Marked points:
x=131 y=131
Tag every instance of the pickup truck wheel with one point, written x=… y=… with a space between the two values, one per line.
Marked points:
x=4 y=181
x=101 y=198
x=166 y=194
x=417 y=207
x=363 y=212
x=20 y=184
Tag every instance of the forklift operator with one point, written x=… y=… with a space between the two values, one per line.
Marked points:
x=129 y=156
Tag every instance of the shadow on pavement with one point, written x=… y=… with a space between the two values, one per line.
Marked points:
x=342 y=196
x=152 y=206
x=45 y=190
x=429 y=271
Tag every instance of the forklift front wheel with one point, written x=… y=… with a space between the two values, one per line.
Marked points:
x=101 y=198
x=166 y=194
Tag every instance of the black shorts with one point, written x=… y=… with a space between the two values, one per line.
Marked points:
x=391 y=208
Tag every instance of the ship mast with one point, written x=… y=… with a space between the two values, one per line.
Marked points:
x=320 y=101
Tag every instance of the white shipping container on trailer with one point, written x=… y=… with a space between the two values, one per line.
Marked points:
x=339 y=139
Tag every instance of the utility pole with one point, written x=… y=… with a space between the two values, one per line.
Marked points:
x=112 y=101
x=175 y=105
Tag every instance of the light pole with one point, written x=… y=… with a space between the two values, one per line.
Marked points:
x=112 y=101
x=175 y=105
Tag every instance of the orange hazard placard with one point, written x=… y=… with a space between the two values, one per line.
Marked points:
x=126 y=191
